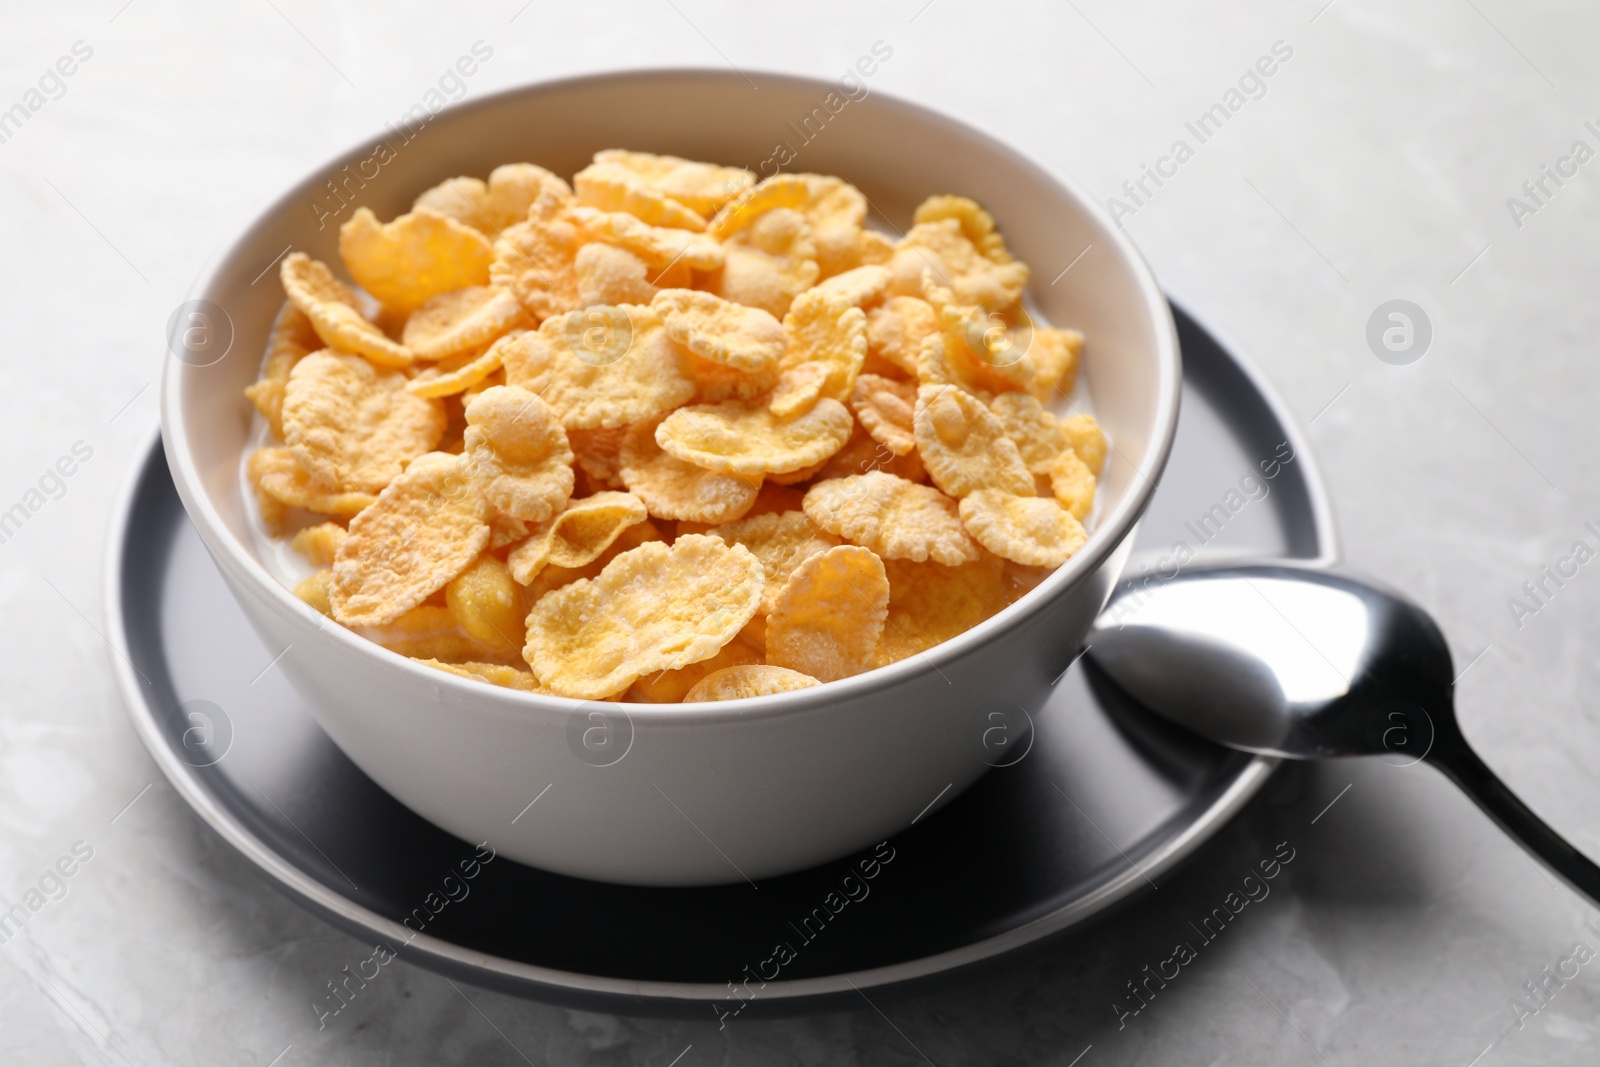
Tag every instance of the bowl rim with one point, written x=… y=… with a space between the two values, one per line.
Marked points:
x=1111 y=532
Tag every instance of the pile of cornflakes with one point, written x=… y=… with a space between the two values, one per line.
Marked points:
x=667 y=433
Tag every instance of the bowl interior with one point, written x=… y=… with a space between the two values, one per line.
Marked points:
x=895 y=152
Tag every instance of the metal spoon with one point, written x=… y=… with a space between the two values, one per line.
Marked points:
x=1305 y=663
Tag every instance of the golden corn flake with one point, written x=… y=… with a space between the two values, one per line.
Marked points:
x=601 y=368
x=941 y=249
x=492 y=207
x=715 y=382
x=1087 y=440
x=735 y=437
x=828 y=330
x=845 y=248
x=769 y=263
x=292 y=339
x=534 y=259
x=515 y=187
x=500 y=674
x=753 y=680
x=827 y=619
x=1054 y=354
x=774 y=193
x=314 y=591
x=429 y=631
x=425 y=528
x=989 y=348
x=353 y=426
x=704 y=187
x=318 y=544
x=458 y=374
x=1036 y=433
x=551 y=577
x=824 y=201
x=459 y=321
x=275 y=473
x=464 y=199
x=1072 y=483
x=862 y=454
x=654 y=608
x=934 y=368
x=859 y=287
x=964 y=445
x=578 y=536
x=977 y=225
x=833 y=203
x=886 y=410
x=485 y=602
x=517 y=453
x=895 y=518
x=610 y=275
x=674 y=489
x=335 y=313
x=897 y=329
x=929 y=603
x=744 y=338
x=781 y=541
x=613 y=187
x=1031 y=530
x=659 y=246
x=414 y=258
x=799 y=388
x=670 y=687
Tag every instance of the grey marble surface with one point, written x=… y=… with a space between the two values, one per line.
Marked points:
x=1375 y=164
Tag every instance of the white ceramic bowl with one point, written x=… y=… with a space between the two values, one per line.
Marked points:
x=706 y=793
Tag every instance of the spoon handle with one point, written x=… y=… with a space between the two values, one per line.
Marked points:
x=1461 y=765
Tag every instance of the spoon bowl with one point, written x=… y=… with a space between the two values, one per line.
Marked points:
x=1307 y=663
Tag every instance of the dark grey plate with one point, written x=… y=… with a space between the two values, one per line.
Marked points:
x=1097 y=799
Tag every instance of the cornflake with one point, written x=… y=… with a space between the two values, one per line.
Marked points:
x=831 y=331
x=769 y=263
x=781 y=540
x=578 y=536
x=335 y=314
x=610 y=275
x=827 y=619
x=1031 y=530
x=416 y=257
x=353 y=426
x=600 y=368
x=292 y=339
x=734 y=437
x=459 y=373
x=964 y=445
x=897 y=329
x=535 y=258
x=895 y=518
x=885 y=409
x=754 y=680
x=422 y=531
x=746 y=339
x=516 y=453
x=459 y=321
x=652 y=609
x=674 y=489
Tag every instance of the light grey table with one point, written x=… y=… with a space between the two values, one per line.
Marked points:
x=1376 y=163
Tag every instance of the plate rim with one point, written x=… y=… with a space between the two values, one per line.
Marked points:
x=529 y=979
